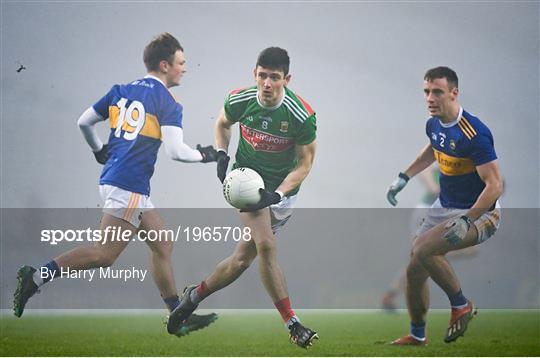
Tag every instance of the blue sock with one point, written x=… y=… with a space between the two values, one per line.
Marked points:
x=53 y=270
x=418 y=330
x=172 y=302
x=457 y=299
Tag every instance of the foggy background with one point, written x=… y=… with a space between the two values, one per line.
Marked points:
x=360 y=66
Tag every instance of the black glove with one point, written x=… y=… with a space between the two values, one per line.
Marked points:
x=267 y=198
x=102 y=155
x=222 y=164
x=208 y=153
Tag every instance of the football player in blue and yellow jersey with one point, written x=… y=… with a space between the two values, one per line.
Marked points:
x=467 y=211
x=142 y=114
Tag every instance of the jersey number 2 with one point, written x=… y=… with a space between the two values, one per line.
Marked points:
x=130 y=119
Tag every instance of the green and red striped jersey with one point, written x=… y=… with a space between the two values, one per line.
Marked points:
x=268 y=135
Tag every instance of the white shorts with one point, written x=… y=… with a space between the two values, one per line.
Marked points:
x=281 y=212
x=124 y=204
x=486 y=225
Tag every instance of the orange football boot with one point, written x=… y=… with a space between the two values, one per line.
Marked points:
x=409 y=340
x=459 y=321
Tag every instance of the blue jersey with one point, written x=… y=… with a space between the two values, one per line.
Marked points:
x=136 y=112
x=460 y=147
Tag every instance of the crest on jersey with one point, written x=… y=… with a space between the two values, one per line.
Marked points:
x=452 y=144
x=284 y=126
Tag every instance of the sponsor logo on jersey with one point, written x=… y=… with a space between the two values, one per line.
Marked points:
x=142 y=83
x=264 y=142
x=452 y=166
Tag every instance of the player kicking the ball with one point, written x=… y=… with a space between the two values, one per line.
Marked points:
x=467 y=212
x=277 y=139
x=141 y=114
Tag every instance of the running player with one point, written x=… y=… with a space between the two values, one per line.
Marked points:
x=141 y=114
x=277 y=139
x=467 y=212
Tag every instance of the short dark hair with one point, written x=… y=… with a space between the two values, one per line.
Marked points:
x=442 y=72
x=162 y=47
x=274 y=58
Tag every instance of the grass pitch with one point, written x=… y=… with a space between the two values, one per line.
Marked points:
x=491 y=333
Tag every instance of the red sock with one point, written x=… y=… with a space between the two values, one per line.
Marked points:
x=202 y=290
x=284 y=308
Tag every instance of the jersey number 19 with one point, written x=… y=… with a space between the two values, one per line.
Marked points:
x=130 y=119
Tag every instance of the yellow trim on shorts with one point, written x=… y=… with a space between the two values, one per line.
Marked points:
x=132 y=205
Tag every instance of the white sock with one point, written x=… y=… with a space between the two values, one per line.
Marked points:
x=37 y=279
x=461 y=306
x=291 y=321
x=194 y=297
x=418 y=338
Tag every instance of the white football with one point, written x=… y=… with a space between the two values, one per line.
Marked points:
x=241 y=187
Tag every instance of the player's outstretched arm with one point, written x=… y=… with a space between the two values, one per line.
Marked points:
x=176 y=149
x=428 y=179
x=305 y=155
x=424 y=160
x=222 y=135
x=86 y=124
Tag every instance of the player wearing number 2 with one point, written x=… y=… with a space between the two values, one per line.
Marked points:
x=141 y=114
x=467 y=212
x=277 y=139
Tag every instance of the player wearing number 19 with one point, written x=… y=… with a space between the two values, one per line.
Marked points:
x=141 y=114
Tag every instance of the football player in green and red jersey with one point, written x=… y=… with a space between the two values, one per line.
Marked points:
x=277 y=139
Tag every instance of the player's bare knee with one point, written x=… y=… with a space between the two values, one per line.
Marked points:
x=419 y=251
x=266 y=247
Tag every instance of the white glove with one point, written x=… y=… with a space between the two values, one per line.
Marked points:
x=456 y=229
x=396 y=186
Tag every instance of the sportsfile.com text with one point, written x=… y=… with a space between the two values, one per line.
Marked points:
x=112 y=233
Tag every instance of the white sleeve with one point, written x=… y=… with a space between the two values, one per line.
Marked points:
x=173 y=142
x=86 y=123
